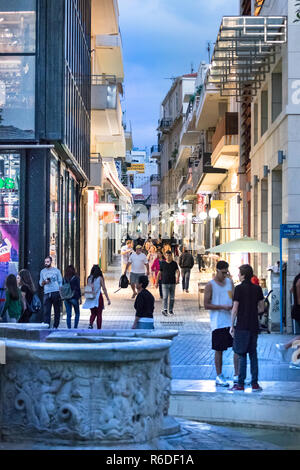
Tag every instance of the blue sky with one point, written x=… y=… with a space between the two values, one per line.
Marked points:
x=161 y=39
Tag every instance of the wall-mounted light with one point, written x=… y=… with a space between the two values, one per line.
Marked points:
x=266 y=171
x=248 y=187
x=255 y=180
x=203 y=215
x=281 y=157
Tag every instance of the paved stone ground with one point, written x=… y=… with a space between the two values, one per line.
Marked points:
x=191 y=354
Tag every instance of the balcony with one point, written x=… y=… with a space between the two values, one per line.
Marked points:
x=164 y=125
x=104 y=92
x=155 y=180
x=105 y=17
x=225 y=142
x=155 y=151
x=109 y=55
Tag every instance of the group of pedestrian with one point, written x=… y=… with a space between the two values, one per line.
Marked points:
x=234 y=322
x=156 y=260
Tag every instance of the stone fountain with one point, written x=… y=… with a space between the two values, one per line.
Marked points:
x=83 y=388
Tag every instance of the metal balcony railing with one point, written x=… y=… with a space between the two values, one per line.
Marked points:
x=155 y=179
x=165 y=124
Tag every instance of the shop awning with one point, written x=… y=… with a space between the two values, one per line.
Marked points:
x=110 y=172
x=244 y=50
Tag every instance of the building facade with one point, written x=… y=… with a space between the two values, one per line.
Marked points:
x=44 y=130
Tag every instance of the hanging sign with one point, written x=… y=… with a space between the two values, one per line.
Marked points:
x=219 y=205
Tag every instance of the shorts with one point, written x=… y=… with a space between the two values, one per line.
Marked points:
x=221 y=339
x=134 y=277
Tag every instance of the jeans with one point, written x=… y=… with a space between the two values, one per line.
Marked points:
x=251 y=350
x=53 y=298
x=68 y=304
x=168 y=291
x=185 y=273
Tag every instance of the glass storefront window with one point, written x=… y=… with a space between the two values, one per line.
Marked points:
x=17 y=72
x=54 y=210
x=17 y=97
x=9 y=216
x=17 y=26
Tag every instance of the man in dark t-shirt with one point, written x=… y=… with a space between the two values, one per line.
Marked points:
x=144 y=306
x=169 y=275
x=248 y=302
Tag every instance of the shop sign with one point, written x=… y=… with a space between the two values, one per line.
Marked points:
x=290 y=230
x=117 y=219
x=139 y=167
x=200 y=202
x=105 y=207
x=196 y=220
x=219 y=205
x=7 y=183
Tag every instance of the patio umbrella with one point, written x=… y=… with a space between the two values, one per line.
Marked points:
x=244 y=245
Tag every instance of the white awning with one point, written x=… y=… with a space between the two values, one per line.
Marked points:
x=110 y=172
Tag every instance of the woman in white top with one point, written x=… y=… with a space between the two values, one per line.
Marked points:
x=95 y=302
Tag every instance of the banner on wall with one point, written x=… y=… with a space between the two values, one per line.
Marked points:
x=9 y=252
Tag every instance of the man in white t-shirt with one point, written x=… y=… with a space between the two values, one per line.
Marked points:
x=126 y=251
x=137 y=261
x=218 y=297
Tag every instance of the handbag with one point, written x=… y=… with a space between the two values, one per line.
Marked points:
x=295 y=312
x=89 y=293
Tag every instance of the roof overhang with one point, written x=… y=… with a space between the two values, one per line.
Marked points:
x=244 y=50
x=210 y=180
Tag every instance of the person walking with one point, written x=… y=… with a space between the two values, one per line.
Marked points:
x=51 y=281
x=218 y=295
x=73 y=280
x=155 y=270
x=144 y=306
x=95 y=301
x=186 y=263
x=138 y=261
x=248 y=302
x=152 y=256
x=126 y=251
x=27 y=287
x=169 y=276
x=13 y=306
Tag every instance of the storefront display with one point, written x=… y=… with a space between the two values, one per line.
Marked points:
x=9 y=216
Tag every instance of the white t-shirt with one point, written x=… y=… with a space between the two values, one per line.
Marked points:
x=125 y=257
x=221 y=295
x=138 y=263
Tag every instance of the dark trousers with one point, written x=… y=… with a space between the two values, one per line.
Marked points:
x=68 y=304
x=160 y=289
x=25 y=317
x=245 y=342
x=52 y=299
x=185 y=274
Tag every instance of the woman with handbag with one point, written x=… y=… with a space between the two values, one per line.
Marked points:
x=71 y=294
x=93 y=295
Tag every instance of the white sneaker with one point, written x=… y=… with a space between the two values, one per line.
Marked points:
x=220 y=380
x=294 y=366
x=281 y=351
x=236 y=380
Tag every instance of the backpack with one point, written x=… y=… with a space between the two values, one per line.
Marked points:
x=35 y=305
x=66 y=291
x=123 y=283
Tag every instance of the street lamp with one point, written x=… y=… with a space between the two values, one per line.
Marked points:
x=203 y=215
x=213 y=213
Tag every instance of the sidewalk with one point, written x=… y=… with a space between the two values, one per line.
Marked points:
x=191 y=354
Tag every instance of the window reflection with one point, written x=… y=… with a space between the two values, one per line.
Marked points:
x=17 y=97
x=17 y=26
